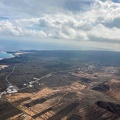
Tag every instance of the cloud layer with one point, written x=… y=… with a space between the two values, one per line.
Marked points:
x=75 y=20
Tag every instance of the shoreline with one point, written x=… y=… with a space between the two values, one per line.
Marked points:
x=10 y=55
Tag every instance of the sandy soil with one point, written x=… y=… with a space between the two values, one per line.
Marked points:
x=3 y=66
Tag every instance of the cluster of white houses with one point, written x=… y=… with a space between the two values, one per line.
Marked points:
x=10 y=89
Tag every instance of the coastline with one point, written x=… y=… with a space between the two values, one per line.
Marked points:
x=10 y=55
x=3 y=66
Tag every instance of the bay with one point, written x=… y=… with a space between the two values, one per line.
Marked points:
x=5 y=55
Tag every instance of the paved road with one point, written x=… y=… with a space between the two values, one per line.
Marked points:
x=13 y=69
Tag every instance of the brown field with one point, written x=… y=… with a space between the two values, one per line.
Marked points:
x=49 y=89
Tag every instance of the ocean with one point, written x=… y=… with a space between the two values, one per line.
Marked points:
x=5 y=55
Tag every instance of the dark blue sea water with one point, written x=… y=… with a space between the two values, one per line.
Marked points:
x=5 y=55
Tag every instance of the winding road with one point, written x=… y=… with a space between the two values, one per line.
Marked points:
x=6 y=79
x=13 y=69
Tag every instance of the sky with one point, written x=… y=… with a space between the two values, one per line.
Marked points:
x=60 y=24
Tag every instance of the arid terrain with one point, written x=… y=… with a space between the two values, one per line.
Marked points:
x=61 y=85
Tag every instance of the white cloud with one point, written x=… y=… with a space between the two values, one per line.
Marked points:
x=101 y=21
x=8 y=28
x=31 y=8
x=101 y=31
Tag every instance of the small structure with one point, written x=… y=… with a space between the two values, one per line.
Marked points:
x=30 y=85
x=11 y=89
x=36 y=78
x=23 y=116
x=24 y=84
x=31 y=82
